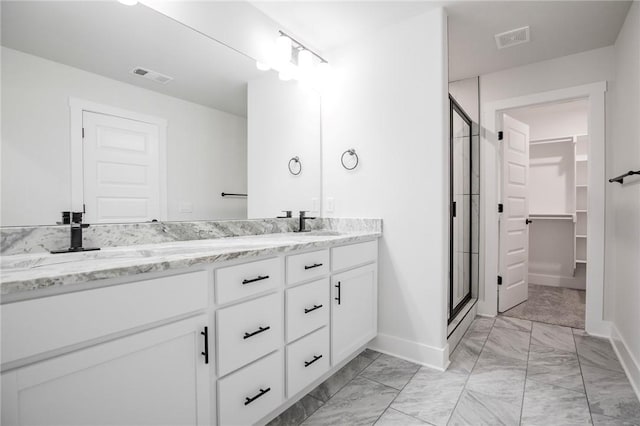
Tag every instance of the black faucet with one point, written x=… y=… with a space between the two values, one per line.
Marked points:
x=75 y=220
x=287 y=215
x=303 y=222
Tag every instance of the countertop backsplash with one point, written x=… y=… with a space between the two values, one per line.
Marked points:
x=38 y=239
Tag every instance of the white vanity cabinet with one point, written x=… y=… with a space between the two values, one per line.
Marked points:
x=135 y=353
x=156 y=377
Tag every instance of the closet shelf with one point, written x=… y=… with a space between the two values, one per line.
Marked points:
x=581 y=261
x=551 y=216
x=581 y=211
x=582 y=186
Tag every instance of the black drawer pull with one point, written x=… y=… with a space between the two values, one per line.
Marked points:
x=306 y=311
x=315 y=265
x=339 y=298
x=258 y=331
x=253 y=280
x=250 y=400
x=205 y=333
x=315 y=358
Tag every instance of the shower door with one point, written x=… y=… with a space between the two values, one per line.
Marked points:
x=461 y=223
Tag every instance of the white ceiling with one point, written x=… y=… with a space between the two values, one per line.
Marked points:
x=110 y=39
x=558 y=28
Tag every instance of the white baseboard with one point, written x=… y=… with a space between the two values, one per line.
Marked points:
x=418 y=353
x=629 y=363
x=577 y=283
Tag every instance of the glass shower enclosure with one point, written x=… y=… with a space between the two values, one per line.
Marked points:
x=464 y=198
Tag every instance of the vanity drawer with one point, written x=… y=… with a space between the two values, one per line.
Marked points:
x=248 y=331
x=353 y=255
x=41 y=325
x=307 y=308
x=239 y=281
x=307 y=360
x=251 y=393
x=307 y=266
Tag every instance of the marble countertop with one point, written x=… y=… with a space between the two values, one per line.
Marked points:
x=28 y=272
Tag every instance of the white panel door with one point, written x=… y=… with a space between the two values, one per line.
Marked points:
x=121 y=167
x=157 y=377
x=354 y=319
x=514 y=235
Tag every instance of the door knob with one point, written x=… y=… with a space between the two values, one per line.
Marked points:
x=528 y=221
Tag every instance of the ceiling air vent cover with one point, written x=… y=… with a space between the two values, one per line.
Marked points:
x=512 y=38
x=151 y=75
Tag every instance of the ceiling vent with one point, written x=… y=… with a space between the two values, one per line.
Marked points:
x=152 y=75
x=512 y=38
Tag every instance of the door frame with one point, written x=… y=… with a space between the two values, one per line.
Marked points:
x=76 y=108
x=490 y=187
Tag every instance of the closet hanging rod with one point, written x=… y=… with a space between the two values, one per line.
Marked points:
x=226 y=194
x=552 y=140
x=620 y=179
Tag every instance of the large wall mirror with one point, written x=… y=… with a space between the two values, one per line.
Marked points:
x=132 y=116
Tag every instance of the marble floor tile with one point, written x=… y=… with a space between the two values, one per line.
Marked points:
x=512 y=323
x=361 y=402
x=579 y=332
x=371 y=354
x=555 y=367
x=475 y=409
x=552 y=305
x=610 y=393
x=501 y=377
x=504 y=342
x=393 y=417
x=466 y=354
x=390 y=371
x=600 y=420
x=551 y=405
x=431 y=395
x=553 y=336
x=343 y=376
x=482 y=324
x=597 y=352
x=298 y=412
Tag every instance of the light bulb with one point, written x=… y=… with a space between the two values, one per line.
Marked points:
x=283 y=49
x=262 y=66
x=305 y=60
x=128 y=2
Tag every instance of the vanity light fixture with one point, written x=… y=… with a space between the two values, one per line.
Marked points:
x=293 y=60
x=128 y=2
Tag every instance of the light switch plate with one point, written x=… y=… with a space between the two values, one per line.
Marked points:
x=331 y=204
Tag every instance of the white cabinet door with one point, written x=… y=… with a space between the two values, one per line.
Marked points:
x=157 y=377
x=354 y=309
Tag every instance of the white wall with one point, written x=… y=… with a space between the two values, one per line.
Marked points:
x=388 y=100
x=555 y=120
x=284 y=122
x=569 y=71
x=206 y=148
x=625 y=199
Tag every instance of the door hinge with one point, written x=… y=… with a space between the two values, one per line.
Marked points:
x=453 y=209
x=500 y=135
x=500 y=207
x=83 y=133
x=499 y=280
x=84 y=208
